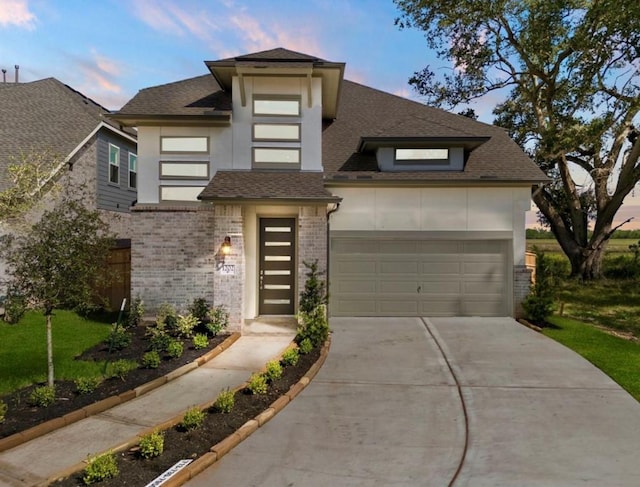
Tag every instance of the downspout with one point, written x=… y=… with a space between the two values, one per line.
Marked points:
x=329 y=213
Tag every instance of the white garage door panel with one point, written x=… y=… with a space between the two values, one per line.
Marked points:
x=376 y=277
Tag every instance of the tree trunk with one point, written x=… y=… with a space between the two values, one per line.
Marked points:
x=49 y=352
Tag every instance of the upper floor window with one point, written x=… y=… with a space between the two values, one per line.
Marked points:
x=274 y=105
x=198 y=145
x=133 y=170
x=422 y=156
x=278 y=132
x=114 y=164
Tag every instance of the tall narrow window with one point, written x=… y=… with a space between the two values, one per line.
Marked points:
x=133 y=170
x=114 y=164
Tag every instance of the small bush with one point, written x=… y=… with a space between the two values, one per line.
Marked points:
x=99 y=468
x=538 y=305
x=3 y=410
x=274 y=370
x=218 y=320
x=186 y=324
x=152 y=445
x=313 y=326
x=134 y=316
x=166 y=317
x=151 y=360
x=200 y=309
x=314 y=293
x=42 y=396
x=86 y=385
x=305 y=346
x=121 y=368
x=290 y=357
x=118 y=339
x=175 y=349
x=193 y=418
x=225 y=401
x=159 y=340
x=200 y=341
x=257 y=384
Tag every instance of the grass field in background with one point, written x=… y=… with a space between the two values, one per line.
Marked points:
x=551 y=245
x=616 y=357
x=23 y=348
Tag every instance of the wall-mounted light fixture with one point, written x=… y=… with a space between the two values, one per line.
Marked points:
x=225 y=248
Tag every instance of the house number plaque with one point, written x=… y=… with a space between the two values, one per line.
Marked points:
x=228 y=270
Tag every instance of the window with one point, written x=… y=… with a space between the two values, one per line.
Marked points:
x=276 y=132
x=114 y=164
x=199 y=145
x=276 y=106
x=420 y=156
x=268 y=156
x=133 y=170
x=184 y=170
x=180 y=193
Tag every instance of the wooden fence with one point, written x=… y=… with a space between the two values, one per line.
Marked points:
x=119 y=267
x=530 y=263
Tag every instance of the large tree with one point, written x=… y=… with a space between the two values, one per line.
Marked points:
x=567 y=72
x=58 y=262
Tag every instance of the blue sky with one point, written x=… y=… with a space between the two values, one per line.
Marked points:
x=110 y=49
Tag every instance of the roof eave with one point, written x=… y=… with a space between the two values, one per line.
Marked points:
x=270 y=200
x=209 y=119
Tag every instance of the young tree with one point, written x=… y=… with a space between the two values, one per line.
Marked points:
x=572 y=71
x=58 y=262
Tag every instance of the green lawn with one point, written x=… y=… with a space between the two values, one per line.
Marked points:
x=615 y=245
x=616 y=357
x=23 y=351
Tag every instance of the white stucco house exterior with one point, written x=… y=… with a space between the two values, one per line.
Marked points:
x=272 y=159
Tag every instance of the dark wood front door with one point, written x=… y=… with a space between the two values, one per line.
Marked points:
x=277 y=266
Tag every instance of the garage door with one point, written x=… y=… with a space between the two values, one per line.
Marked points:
x=386 y=277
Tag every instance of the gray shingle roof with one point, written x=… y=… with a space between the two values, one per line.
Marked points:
x=277 y=54
x=43 y=115
x=239 y=185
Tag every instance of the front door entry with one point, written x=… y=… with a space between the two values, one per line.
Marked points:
x=277 y=266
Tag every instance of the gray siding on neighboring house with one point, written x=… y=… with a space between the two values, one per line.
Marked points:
x=109 y=195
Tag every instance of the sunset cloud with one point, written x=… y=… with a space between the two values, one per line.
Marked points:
x=17 y=13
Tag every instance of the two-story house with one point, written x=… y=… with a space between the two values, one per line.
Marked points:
x=47 y=117
x=273 y=159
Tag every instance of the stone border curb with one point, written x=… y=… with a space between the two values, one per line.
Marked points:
x=221 y=448
x=42 y=429
x=524 y=322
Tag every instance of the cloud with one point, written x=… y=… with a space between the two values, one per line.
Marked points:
x=16 y=12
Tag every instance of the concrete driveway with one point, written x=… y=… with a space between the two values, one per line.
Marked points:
x=441 y=402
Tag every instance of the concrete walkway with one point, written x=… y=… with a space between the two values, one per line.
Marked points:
x=442 y=402
x=37 y=460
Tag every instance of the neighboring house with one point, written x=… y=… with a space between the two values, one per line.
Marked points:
x=272 y=159
x=49 y=116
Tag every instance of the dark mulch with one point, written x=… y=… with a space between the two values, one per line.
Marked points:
x=21 y=415
x=178 y=445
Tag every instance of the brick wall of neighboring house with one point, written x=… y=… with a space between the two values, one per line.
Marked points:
x=521 y=287
x=312 y=241
x=172 y=256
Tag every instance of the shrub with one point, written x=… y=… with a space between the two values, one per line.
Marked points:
x=257 y=384
x=313 y=326
x=99 y=468
x=193 y=418
x=152 y=445
x=314 y=293
x=200 y=341
x=538 y=305
x=274 y=370
x=3 y=410
x=290 y=357
x=118 y=339
x=42 y=396
x=175 y=349
x=151 y=360
x=186 y=324
x=159 y=340
x=225 y=401
x=218 y=320
x=305 y=346
x=134 y=316
x=200 y=309
x=121 y=368
x=166 y=317
x=86 y=385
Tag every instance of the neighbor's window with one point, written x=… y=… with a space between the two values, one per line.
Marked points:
x=269 y=155
x=114 y=164
x=184 y=170
x=422 y=155
x=276 y=131
x=185 y=144
x=133 y=170
x=274 y=106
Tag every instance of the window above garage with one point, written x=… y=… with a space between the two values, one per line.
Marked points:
x=395 y=154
